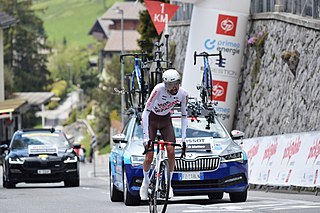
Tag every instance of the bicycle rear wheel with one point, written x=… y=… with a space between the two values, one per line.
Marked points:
x=158 y=200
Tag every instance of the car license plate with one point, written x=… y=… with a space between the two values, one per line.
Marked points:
x=190 y=176
x=44 y=171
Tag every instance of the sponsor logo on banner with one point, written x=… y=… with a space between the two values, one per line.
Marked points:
x=224 y=46
x=314 y=151
x=227 y=25
x=253 y=151
x=224 y=72
x=292 y=149
x=219 y=90
x=270 y=151
x=222 y=113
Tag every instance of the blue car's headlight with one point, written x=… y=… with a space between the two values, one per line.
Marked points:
x=234 y=157
x=71 y=159
x=16 y=160
x=137 y=160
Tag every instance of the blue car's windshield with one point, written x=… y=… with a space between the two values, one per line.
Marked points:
x=195 y=129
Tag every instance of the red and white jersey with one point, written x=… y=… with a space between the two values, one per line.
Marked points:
x=161 y=103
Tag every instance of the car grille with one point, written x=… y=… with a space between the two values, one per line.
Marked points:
x=198 y=164
x=43 y=164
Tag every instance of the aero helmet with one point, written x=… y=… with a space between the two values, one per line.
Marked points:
x=170 y=76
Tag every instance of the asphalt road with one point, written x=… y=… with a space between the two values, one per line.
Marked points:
x=93 y=196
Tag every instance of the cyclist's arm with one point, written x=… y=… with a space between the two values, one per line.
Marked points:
x=146 y=112
x=184 y=115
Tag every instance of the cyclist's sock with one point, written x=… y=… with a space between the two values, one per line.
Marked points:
x=171 y=174
x=146 y=176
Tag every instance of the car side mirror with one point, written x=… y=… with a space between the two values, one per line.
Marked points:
x=237 y=135
x=4 y=147
x=119 y=138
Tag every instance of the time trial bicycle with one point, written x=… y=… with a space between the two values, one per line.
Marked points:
x=158 y=191
x=206 y=83
x=136 y=97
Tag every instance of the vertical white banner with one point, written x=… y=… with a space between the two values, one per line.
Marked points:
x=217 y=26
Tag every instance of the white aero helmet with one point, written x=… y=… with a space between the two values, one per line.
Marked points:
x=171 y=79
x=170 y=76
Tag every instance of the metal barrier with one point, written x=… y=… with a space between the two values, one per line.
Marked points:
x=305 y=8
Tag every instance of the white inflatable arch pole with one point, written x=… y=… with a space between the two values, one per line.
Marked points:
x=217 y=25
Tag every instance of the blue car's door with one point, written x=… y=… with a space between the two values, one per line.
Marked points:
x=117 y=155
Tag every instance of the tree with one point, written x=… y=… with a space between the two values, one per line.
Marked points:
x=26 y=50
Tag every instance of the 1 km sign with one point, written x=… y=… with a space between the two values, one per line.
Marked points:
x=160 y=13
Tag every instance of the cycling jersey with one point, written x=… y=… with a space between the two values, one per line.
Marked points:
x=161 y=103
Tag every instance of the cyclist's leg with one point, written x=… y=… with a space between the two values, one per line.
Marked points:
x=148 y=159
x=167 y=133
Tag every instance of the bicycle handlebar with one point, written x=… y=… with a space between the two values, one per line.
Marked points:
x=205 y=54
x=135 y=55
x=166 y=143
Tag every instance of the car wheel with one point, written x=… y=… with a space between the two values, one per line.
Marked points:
x=72 y=183
x=6 y=183
x=129 y=199
x=238 y=196
x=216 y=196
x=115 y=194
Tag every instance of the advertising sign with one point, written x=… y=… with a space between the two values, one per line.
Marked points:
x=217 y=26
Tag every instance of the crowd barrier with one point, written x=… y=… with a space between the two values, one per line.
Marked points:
x=284 y=160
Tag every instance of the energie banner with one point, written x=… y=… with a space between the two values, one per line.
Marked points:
x=217 y=25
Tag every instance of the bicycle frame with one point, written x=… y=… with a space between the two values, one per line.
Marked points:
x=207 y=85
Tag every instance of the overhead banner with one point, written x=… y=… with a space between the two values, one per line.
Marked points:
x=217 y=26
x=160 y=13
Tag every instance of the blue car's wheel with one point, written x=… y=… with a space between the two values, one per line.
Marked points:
x=238 y=196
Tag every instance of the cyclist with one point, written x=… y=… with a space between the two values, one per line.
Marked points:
x=156 y=116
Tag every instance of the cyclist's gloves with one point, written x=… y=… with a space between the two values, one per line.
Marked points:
x=183 y=149
x=147 y=147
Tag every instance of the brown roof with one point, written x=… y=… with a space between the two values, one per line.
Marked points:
x=34 y=98
x=130 y=11
x=130 y=41
x=11 y=105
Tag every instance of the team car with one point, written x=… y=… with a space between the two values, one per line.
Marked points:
x=214 y=164
x=40 y=156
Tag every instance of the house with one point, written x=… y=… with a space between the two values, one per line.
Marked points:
x=108 y=27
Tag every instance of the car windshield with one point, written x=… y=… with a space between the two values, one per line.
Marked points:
x=195 y=129
x=198 y=129
x=53 y=139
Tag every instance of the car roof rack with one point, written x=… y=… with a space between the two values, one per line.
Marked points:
x=52 y=130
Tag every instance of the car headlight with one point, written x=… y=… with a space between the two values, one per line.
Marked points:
x=16 y=160
x=234 y=157
x=137 y=160
x=70 y=159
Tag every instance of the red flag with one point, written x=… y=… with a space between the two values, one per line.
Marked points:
x=160 y=13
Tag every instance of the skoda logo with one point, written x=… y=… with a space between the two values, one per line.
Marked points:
x=227 y=25
x=190 y=155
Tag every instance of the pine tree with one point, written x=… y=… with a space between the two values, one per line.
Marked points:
x=26 y=49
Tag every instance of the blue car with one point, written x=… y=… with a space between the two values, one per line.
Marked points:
x=214 y=162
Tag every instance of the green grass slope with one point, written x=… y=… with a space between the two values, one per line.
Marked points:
x=71 y=19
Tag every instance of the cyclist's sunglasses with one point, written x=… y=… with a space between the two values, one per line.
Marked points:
x=171 y=85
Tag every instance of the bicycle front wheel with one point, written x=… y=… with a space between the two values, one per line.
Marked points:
x=158 y=200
